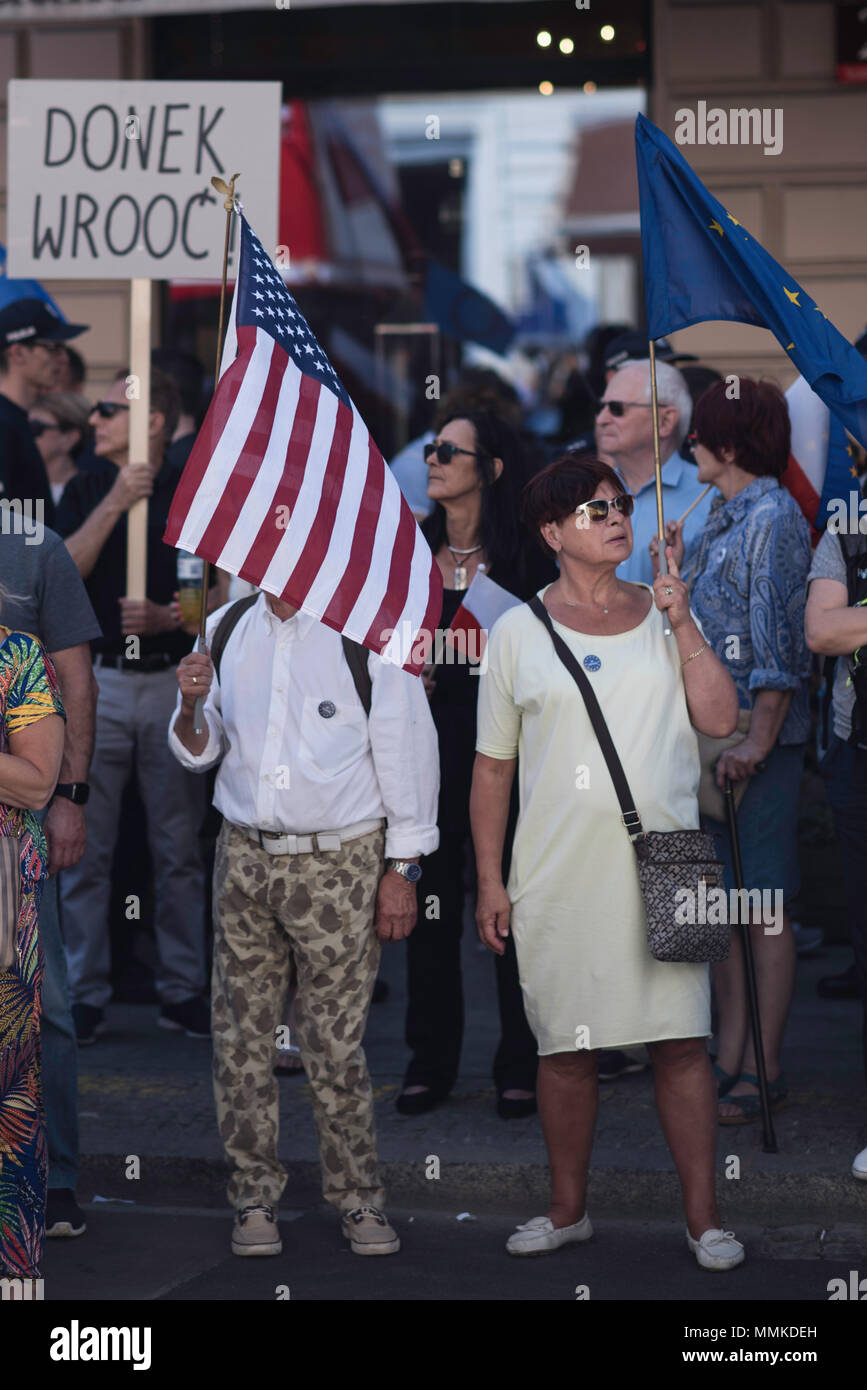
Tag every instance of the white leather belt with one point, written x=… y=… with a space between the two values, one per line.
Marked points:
x=276 y=843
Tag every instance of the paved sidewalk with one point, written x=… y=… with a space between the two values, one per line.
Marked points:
x=147 y=1093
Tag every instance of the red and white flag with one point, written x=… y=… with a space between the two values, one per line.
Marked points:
x=286 y=488
x=483 y=604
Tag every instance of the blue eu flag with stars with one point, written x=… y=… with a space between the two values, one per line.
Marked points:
x=701 y=263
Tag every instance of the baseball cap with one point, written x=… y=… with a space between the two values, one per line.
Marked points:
x=632 y=347
x=33 y=318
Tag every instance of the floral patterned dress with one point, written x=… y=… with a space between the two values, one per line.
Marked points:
x=28 y=691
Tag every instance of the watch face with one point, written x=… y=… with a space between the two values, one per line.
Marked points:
x=413 y=872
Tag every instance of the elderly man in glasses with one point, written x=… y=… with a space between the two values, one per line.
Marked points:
x=31 y=337
x=624 y=436
x=135 y=664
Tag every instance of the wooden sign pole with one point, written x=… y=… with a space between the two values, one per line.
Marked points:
x=139 y=416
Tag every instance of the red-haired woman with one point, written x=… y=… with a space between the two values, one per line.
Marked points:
x=573 y=901
x=747 y=581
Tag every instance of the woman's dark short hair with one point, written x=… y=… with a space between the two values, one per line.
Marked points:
x=755 y=424
x=557 y=490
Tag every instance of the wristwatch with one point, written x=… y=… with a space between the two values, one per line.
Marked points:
x=406 y=868
x=76 y=792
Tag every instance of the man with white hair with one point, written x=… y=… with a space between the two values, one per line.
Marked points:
x=624 y=436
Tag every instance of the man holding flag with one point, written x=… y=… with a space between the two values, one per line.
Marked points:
x=329 y=756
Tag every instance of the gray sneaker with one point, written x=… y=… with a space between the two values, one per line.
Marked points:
x=369 y=1233
x=255 y=1232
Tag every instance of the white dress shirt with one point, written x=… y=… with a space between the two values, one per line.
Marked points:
x=290 y=769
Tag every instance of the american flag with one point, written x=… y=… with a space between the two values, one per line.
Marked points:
x=286 y=488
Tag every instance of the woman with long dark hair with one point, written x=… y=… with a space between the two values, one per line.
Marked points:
x=476 y=472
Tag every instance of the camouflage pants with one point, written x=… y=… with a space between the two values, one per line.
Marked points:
x=319 y=908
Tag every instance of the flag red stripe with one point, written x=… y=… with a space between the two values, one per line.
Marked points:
x=208 y=438
x=345 y=595
x=243 y=475
x=433 y=613
x=798 y=484
x=397 y=587
x=465 y=621
x=303 y=576
x=270 y=535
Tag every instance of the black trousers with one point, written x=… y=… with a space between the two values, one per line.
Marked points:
x=844 y=770
x=435 y=1006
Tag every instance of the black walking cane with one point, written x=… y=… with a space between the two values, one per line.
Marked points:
x=769 y=1144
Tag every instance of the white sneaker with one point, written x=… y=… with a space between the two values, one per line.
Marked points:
x=717 y=1249
x=859 y=1167
x=538 y=1236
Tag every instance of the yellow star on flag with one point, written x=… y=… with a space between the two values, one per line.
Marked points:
x=793 y=295
x=733 y=219
x=820 y=311
x=715 y=227
x=854 y=471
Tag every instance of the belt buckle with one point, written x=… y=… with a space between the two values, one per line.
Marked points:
x=327 y=841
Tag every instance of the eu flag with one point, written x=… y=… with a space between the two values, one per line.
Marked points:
x=464 y=312
x=701 y=263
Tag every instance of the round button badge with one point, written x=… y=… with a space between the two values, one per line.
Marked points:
x=327 y=708
x=592 y=663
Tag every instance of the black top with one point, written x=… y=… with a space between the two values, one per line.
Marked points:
x=106 y=582
x=22 y=472
x=453 y=703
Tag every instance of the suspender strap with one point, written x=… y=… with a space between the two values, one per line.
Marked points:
x=630 y=816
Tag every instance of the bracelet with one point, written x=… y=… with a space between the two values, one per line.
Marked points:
x=692 y=656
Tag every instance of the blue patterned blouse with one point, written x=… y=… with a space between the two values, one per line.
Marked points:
x=747 y=578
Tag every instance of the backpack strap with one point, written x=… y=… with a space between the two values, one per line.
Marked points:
x=356 y=655
x=226 y=626
x=356 y=660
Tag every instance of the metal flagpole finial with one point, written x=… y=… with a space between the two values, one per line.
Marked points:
x=227 y=189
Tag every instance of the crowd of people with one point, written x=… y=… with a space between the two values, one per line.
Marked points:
x=348 y=796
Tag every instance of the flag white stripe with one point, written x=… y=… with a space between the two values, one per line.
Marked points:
x=406 y=630
x=810 y=420
x=230 y=342
x=259 y=502
x=230 y=444
x=369 y=600
x=296 y=534
x=336 y=557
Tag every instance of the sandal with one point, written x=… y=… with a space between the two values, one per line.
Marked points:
x=724 y=1080
x=751 y=1106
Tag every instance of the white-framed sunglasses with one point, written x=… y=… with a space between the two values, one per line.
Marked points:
x=597 y=508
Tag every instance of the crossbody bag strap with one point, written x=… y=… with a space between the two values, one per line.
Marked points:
x=630 y=817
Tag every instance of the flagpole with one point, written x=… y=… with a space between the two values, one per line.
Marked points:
x=657 y=468
x=229 y=204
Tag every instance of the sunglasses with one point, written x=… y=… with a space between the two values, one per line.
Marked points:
x=597 y=508
x=38 y=428
x=108 y=409
x=445 y=452
x=617 y=407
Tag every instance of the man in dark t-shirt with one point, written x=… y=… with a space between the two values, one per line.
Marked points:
x=43 y=594
x=31 y=337
x=134 y=662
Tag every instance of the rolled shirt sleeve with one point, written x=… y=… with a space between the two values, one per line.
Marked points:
x=405 y=752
